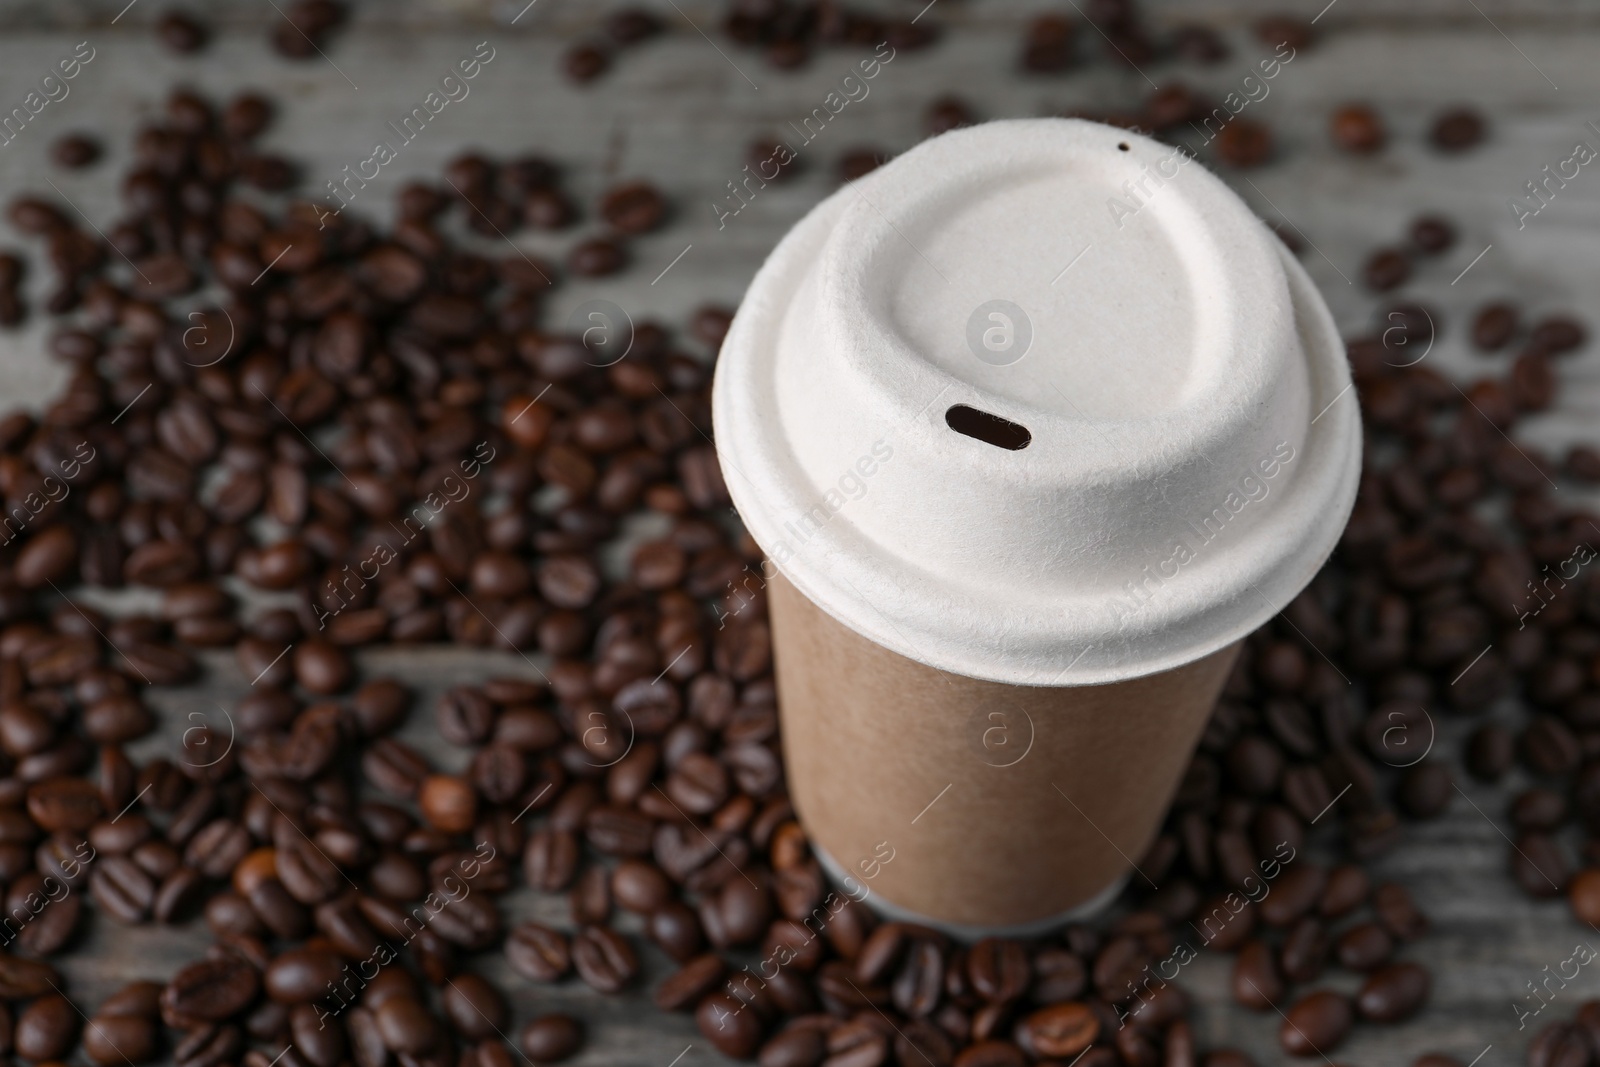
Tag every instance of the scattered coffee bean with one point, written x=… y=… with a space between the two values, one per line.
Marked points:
x=1494 y=326
x=1244 y=143
x=1315 y=1024
x=181 y=32
x=1047 y=47
x=1277 y=31
x=585 y=62
x=1357 y=129
x=634 y=208
x=75 y=151
x=1457 y=130
x=1432 y=234
x=551 y=1038
x=1388 y=268
x=596 y=257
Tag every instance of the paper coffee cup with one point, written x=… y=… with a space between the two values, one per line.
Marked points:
x=1034 y=424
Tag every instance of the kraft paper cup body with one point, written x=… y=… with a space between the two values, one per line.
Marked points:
x=1034 y=424
x=1002 y=809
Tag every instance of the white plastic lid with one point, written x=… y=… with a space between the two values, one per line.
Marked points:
x=1190 y=452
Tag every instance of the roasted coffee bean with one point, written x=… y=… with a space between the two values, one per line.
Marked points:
x=321 y=1044
x=74 y=151
x=1315 y=1024
x=591 y=897
x=993 y=1053
x=1257 y=982
x=1394 y=992
x=633 y=208
x=122 y=888
x=1059 y=975
x=141 y=1000
x=881 y=953
x=448 y=803
x=47 y=1029
x=1457 y=130
x=640 y=887
x=113 y=1039
x=551 y=1038
x=180 y=32
x=675 y=927
x=475 y=1008
x=538 y=952
x=1061 y=1030
x=1244 y=143
x=1296 y=893
x=1398 y=912
x=685 y=987
x=218 y=848
x=407 y=1026
x=1549 y=747
x=47 y=557
x=632 y=25
x=465 y=716
x=1583 y=895
x=797 y=1047
x=1357 y=129
x=604 y=959
x=999 y=970
x=1305 y=950
x=321 y=667
x=70 y=804
x=1491 y=750
x=214 y=989
x=305 y=870
x=394 y=767
x=737 y=914
x=1284 y=31
x=379 y=706
x=1364 y=946
x=919 y=983
x=947 y=113
x=1388 y=268
x=1539 y=865
x=1494 y=326
x=208 y=1044
x=585 y=63
x=301 y=975
x=619 y=831
x=596 y=257
x=732 y=1028
x=1048 y=44
x=1431 y=235
x=1560 y=1044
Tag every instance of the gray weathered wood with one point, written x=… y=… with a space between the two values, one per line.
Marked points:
x=681 y=114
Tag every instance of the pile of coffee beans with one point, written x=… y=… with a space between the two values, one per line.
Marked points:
x=380 y=428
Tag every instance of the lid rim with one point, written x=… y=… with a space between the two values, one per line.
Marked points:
x=962 y=633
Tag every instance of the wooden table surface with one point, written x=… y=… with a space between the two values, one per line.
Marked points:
x=679 y=113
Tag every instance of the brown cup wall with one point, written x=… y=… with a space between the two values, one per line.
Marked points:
x=872 y=737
